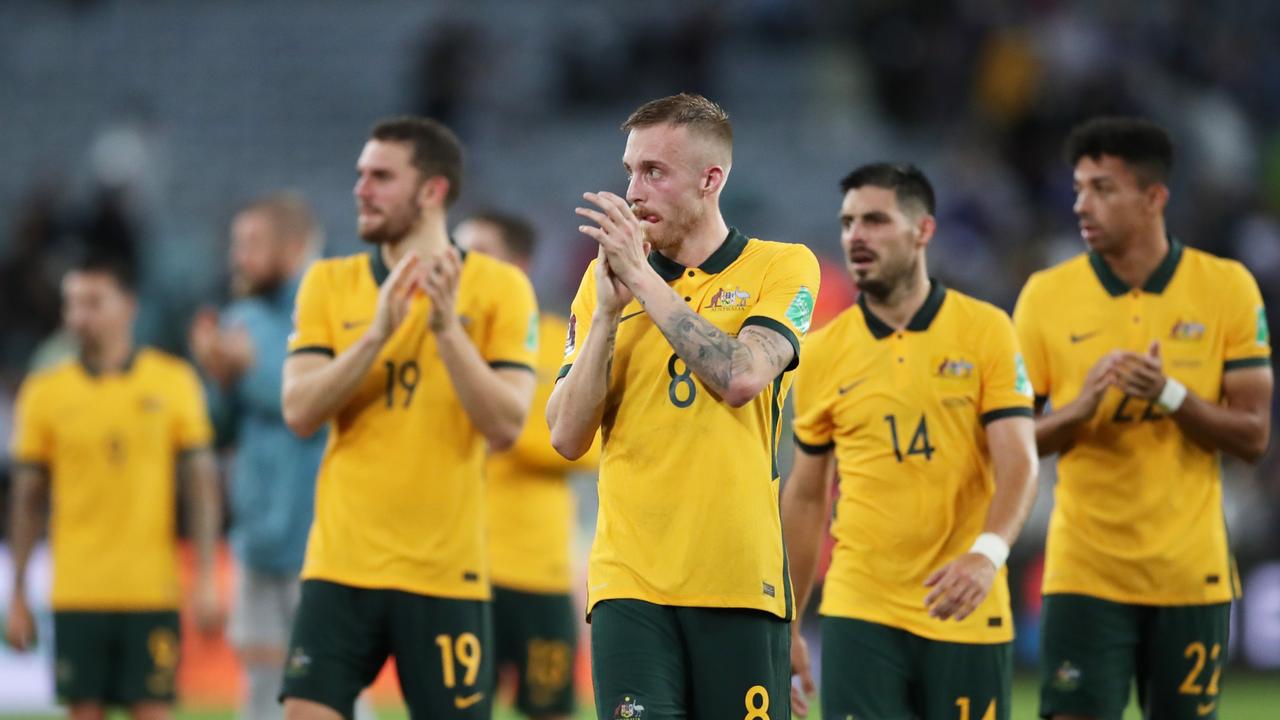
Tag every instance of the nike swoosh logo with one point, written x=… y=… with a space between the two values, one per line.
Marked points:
x=1206 y=708
x=352 y=324
x=462 y=703
x=1082 y=337
x=628 y=317
x=850 y=386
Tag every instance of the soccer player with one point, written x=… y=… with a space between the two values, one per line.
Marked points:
x=681 y=338
x=531 y=513
x=417 y=356
x=1153 y=358
x=918 y=396
x=273 y=474
x=105 y=434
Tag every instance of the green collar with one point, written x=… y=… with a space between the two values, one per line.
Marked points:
x=919 y=322
x=724 y=256
x=1155 y=284
x=96 y=373
x=379 y=268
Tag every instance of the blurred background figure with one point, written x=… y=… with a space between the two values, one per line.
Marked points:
x=241 y=353
x=531 y=513
x=105 y=435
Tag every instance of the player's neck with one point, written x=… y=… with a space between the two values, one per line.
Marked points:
x=428 y=238
x=705 y=239
x=1137 y=260
x=903 y=302
x=109 y=357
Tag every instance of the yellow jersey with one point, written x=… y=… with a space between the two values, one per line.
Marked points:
x=110 y=444
x=530 y=504
x=1137 y=512
x=688 y=487
x=905 y=412
x=399 y=497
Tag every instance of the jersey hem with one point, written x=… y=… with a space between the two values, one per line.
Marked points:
x=530 y=589
x=916 y=631
x=716 y=602
x=401 y=587
x=115 y=606
x=1126 y=599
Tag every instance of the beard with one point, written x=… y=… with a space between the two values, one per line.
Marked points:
x=396 y=223
x=674 y=228
x=892 y=275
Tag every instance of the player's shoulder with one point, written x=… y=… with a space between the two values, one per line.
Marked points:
x=1207 y=267
x=972 y=311
x=550 y=323
x=50 y=377
x=844 y=329
x=153 y=362
x=340 y=270
x=1056 y=280
x=771 y=251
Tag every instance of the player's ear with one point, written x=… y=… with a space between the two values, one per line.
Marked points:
x=713 y=179
x=926 y=225
x=1157 y=196
x=433 y=191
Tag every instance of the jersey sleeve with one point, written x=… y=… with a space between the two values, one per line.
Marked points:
x=787 y=297
x=32 y=441
x=1247 y=336
x=813 y=425
x=192 y=429
x=1006 y=389
x=1031 y=341
x=512 y=341
x=312 y=332
x=584 y=304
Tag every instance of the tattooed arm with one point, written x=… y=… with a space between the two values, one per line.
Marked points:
x=736 y=369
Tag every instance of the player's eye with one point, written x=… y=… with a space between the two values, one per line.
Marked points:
x=654 y=173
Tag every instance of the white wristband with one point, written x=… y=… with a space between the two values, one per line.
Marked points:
x=993 y=547
x=1171 y=396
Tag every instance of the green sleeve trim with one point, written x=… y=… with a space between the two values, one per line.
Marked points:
x=510 y=365
x=1241 y=363
x=564 y=370
x=38 y=466
x=783 y=330
x=815 y=449
x=992 y=415
x=186 y=452
x=309 y=349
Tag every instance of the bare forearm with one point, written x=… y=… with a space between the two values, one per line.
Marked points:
x=1056 y=431
x=803 y=528
x=203 y=506
x=576 y=407
x=496 y=407
x=29 y=483
x=720 y=361
x=313 y=396
x=1235 y=431
x=1014 y=495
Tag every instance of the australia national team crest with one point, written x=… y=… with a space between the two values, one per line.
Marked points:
x=1187 y=330
x=729 y=299
x=953 y=368
x=628 y=709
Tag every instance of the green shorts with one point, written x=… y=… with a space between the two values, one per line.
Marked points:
x=342 y=636
x=1092 y=649
x=879 y=672
x=656 y=662
x=537 y=635
x=116 y=658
